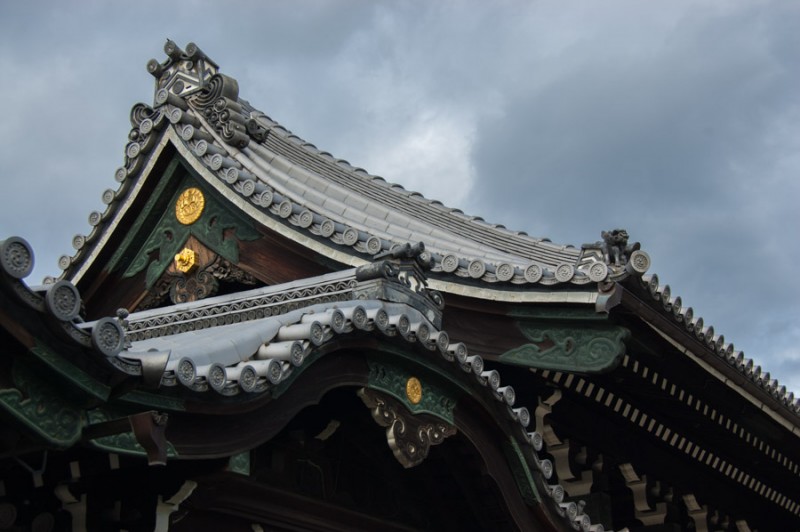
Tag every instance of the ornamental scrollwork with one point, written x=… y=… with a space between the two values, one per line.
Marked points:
x=213 y=228
x=199 y=281
x=223 y=270
x=586 y=349
x=193 y=288
x=409 y=436
x=395 y=382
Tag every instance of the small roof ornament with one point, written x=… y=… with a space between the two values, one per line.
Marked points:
x=618 y=254
x=184 y=72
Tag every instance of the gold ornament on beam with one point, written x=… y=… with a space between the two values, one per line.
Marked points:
x=414 y=390
x=189 y=206
x=185 y=260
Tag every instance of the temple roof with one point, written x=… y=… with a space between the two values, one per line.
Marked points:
x=359 y=232
x=256 y=343
x=351 y=213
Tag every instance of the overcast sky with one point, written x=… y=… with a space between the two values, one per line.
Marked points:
x=679 y=121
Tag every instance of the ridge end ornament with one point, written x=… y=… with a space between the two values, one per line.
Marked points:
x=190 y=206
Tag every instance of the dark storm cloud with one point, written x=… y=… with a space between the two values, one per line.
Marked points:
x=678 y=121
x=683 y=131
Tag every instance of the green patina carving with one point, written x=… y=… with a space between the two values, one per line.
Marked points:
x=122 y=443
x=407 y=358
x=394 y=381
x=155 y=199
x=521 y=472
x=584 y=349
x=240 y=463
x=35 y=404
x=214 y=228
x=76 y=375
x=410 y=358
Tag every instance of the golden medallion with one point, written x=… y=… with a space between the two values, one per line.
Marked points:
x=414 y=390
x=189 y=206
x=185 y=260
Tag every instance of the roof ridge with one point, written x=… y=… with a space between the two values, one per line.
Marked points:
x=283 y=131
x=204 y=107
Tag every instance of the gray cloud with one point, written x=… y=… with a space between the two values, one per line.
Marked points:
x=678 y=121
x=685 y=132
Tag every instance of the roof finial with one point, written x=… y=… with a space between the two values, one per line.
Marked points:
x=183 y=73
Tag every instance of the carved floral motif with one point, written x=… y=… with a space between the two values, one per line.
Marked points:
x=190 y=205
x=195 y=274
x=193 y=287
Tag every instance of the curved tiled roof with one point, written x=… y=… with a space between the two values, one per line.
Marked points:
x=58 y=303
x=200 y=348
x=291 y=182
x=310 y=191
x=251 y=342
